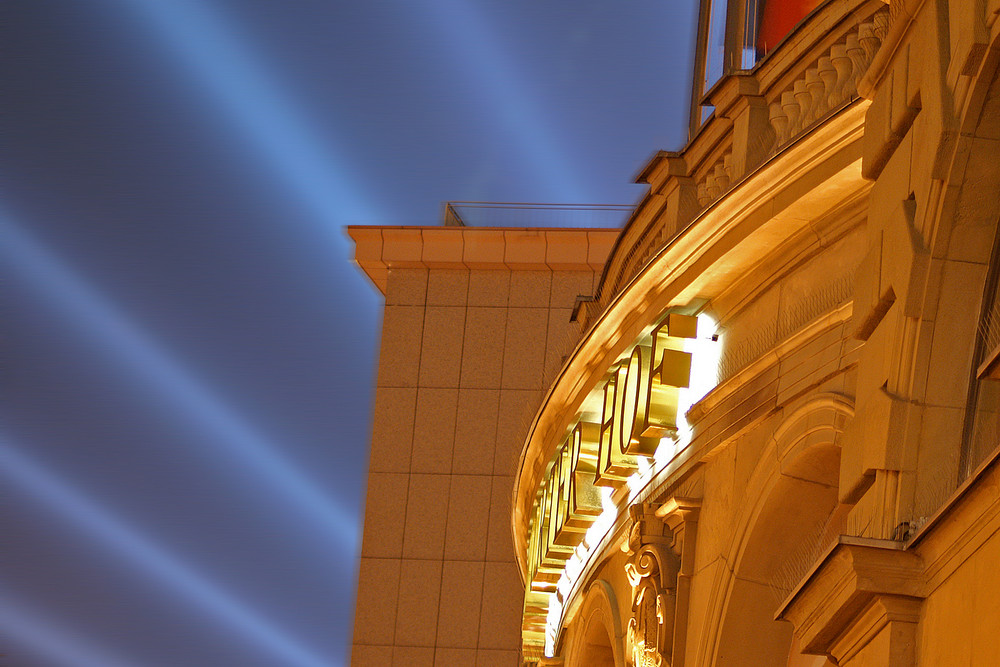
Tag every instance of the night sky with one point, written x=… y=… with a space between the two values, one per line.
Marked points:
x=186 y=352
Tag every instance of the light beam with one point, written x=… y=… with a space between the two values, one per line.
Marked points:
x=140 y=354
x=199 y=38
x=83 y=513
x=488 y=68
x=58 y=645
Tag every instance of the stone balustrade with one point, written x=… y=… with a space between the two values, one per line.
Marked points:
x=716 y=181
x=792 y=96
x=827 y=85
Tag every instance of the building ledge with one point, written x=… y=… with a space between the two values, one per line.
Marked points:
x=812 y=178
x=860 y=588
x=381 y=248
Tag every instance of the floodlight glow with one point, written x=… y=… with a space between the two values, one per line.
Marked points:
x=574 y=567
x=705 y=352
x=57 y=645
x=553 y=619
x=603 y=523
x=138 y=352
x=638 y=480
x=81 y=513
x=666 y=451
x=227 y=70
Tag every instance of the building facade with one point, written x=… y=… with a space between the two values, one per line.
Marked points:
x=756 y=426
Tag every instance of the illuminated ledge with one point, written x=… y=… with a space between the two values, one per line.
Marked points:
x=378 y=249
x=807 y=180
x=862 y=587
x=859 y=588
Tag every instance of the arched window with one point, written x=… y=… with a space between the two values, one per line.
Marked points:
x=597 y=651
x=597 y=636
x=982 y=424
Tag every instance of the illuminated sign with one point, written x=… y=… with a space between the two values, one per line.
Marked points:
x=641 y=406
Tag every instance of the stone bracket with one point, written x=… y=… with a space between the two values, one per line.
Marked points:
x=894 y=268
x=905 y=258
x=681 y=516
x=896 y=616
x=859 y=592
x=874 y=441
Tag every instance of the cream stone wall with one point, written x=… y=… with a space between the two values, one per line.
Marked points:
x=961 y=613
x=928 y=565
x=837 y=217
x=465 y=355
x=831 y=465
x=776 y=271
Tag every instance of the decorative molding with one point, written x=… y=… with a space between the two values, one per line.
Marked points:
x=730 y=385
x=792 y=318
x=829 y=83
x=660 y=548
x=732 y=231
x=855 y=592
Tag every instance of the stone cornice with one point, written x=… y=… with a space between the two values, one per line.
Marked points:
x=381 y=248
x=860 y=586
x=813 y=175
x=837 y=594
x=963 y=523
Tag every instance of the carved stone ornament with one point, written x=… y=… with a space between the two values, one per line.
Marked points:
x=652 y=571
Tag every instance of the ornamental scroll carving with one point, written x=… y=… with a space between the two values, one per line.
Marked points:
x=652 y=570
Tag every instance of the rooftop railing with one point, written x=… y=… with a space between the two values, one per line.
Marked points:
x=517 y=214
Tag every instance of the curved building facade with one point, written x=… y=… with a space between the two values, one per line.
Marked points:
x=759 y=424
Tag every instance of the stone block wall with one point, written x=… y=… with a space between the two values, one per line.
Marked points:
x=466 y=354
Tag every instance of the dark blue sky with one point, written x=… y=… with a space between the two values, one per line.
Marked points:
x=186 y=352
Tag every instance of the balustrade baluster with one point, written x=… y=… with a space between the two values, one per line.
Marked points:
x=703 y=198
x=721 y=173
x=779 y=121
x=712 y=187
x=791 y=108
x=815 y=86
x=869 y=40
x=803 y=99
x=845 y=70
x=857 y=54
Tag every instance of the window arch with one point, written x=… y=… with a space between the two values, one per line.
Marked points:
x=982 y=424
x=790 y=515
x=599 y=642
